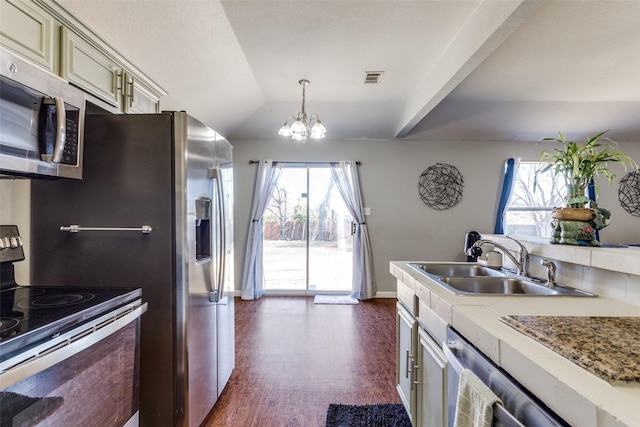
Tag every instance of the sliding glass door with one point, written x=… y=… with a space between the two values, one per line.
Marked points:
x=307 y=234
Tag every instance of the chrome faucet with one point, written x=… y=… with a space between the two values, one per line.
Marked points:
x=521 y=263
x=551 y=272
x=523 y=257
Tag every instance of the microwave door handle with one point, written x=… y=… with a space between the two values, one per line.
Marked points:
x=61 y=130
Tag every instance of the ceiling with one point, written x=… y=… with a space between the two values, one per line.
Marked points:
x=453 y=70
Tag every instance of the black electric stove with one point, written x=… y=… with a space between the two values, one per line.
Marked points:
x=30 y=315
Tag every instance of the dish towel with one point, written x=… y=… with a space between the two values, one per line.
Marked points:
x=474 y=407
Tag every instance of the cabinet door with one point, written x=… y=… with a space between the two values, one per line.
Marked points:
x=432 y=379
x=28 y=31
x=90 y=69
x=139 y=98
x=406 y=327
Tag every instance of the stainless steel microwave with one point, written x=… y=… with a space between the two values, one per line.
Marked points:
x=41 y=122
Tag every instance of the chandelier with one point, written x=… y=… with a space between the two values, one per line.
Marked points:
x=301 y=128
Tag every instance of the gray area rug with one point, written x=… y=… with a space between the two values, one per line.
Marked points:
x=381 y=415
x=335 y=299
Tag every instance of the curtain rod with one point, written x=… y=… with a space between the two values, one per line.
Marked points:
x=358 y=162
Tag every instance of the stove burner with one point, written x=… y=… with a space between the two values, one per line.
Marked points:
x=33 y=291
x=57 y=300
x=7 y=323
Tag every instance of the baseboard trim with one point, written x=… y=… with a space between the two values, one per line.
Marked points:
x=394 y=295
x=386 y=295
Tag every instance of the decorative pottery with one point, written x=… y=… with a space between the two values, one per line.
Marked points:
x=573 y=233
x=573 y=214
x=573 y=226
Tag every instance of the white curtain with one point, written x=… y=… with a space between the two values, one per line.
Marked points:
x=345 y=175
x=253 y=271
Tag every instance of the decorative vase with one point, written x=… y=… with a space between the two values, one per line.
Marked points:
x=575 y=196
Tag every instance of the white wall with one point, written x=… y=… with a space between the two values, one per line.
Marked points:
x=624 y=227
x=15 y=203
x=401 y=226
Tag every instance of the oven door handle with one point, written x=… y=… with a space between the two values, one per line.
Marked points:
x=63 y=347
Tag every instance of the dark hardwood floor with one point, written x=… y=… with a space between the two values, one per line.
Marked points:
x=294 y=358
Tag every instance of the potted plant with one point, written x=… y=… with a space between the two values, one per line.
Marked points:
x=578 y=164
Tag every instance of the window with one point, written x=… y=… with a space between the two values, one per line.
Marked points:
x=529 y=212
x=307 y=241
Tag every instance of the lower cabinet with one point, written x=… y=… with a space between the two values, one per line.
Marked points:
x=432 y=383
x=406 y=337
x=421 y=377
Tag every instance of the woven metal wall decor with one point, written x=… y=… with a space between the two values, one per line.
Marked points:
x=440 y=186
x=629 y=193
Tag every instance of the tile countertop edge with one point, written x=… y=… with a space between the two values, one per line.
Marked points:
x=623 y=260
x=554 y=379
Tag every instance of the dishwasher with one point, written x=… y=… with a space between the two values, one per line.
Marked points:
x=519 y=409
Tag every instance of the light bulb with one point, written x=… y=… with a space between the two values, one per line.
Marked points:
x=298 y=127
x=318 y=131
x=302 y=137
x=285 y=130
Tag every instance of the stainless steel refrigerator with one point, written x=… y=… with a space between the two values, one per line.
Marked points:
x=153 y=211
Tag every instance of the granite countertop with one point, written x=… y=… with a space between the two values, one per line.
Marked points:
x=608 y=347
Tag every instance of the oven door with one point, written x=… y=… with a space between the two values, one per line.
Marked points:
x=87 y=376
x=519 y=408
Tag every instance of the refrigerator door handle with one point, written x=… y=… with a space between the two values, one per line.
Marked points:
x=221 y=240
x=218 y=290
x=223 y=236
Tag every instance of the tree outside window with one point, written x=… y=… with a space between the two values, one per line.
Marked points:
x=529 y=212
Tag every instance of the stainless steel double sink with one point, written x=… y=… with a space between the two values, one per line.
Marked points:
x=476 y=279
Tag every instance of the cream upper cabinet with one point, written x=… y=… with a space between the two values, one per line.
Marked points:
x=89 y=68
x=46 y=34
x=138 y=97
x=28 y=30
x=86 y=67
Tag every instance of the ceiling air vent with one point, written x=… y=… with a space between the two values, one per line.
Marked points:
x=373 y=77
